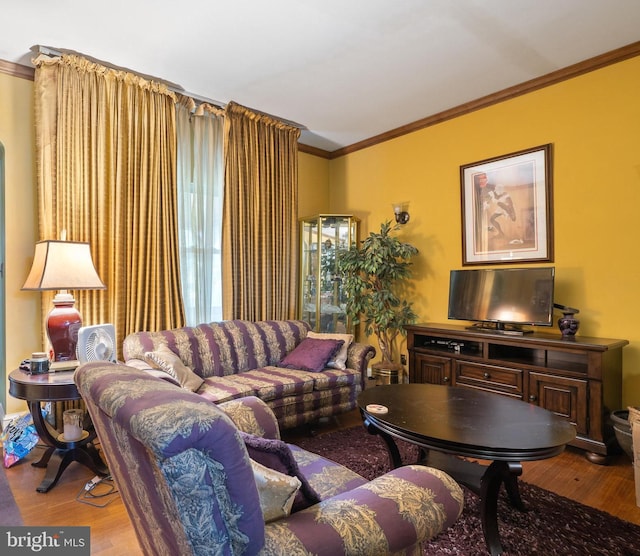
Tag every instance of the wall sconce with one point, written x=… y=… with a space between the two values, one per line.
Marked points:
x=401 y=211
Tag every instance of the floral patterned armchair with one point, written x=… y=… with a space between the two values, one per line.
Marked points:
x=183 y=469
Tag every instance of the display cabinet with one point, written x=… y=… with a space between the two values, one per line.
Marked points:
x=322 y=299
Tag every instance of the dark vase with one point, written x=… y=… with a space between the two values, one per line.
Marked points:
x=568 y=324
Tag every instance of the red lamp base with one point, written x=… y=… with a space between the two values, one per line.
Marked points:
x=63 y=323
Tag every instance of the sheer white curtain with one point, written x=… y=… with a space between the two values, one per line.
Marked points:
x=200 y=194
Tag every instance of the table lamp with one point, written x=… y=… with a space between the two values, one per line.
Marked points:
x=63 y=265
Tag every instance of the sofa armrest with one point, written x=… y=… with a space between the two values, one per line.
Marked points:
x=358 y=357
x=251 y=415
x=388 y=515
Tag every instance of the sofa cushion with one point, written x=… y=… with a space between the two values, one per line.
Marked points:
x=339 y=360
x=267 y=384
x=330 y=379
x=165 y=360
x=312 y=354
x=276 y=490
x=277 y=455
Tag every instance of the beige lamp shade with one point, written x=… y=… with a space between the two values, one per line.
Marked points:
x=63 y=265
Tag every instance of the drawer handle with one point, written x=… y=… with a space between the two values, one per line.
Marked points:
x=533 y=398
x=487 y=376
x=445 y=379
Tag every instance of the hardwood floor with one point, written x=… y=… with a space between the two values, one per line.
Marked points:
x=111 y=530
x=610 y=488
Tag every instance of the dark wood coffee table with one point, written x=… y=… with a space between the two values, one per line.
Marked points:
x=448 y=422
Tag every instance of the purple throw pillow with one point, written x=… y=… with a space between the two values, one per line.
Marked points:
x=311 y=355
x=276 y=455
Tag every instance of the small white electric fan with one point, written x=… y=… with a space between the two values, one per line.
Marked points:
x=96 y=343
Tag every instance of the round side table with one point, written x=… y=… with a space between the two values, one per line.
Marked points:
x=55 y=387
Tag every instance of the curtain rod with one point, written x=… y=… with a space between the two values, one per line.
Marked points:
x=49 y=51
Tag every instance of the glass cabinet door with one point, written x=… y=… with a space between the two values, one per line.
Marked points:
x=322 y=299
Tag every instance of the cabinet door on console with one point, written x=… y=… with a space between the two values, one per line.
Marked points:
x=430 y=369
x=564 y=396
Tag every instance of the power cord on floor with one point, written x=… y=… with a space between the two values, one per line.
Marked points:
x=98 y=492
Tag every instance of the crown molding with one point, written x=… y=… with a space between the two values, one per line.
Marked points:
x=575 y=70
x=17 y=70
x=315 y=151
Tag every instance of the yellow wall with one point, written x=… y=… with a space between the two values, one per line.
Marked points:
x=593 y=123
x=313 y=185
x=23 y=332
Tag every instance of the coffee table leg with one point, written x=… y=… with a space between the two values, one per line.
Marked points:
x=497 y=473
x=394 y=453
x=512 y=472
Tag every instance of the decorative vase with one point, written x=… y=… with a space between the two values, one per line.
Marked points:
x=568 y=324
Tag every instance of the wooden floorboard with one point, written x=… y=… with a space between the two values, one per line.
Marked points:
x=610 y=488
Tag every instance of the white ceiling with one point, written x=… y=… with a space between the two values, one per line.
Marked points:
x=347 y=70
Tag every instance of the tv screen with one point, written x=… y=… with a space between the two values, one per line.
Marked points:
x=513 y=296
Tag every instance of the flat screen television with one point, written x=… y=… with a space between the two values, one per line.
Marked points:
x=502 y=300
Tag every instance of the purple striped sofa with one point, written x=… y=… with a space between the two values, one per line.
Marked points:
x=239 y=358
x=183 y=468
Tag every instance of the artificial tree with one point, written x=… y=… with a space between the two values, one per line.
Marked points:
x=372 y=279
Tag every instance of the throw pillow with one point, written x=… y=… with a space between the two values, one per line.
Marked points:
x=165 y=360
x=276 y=490
x=339 y=360
x=276 y=455
x=311 y=355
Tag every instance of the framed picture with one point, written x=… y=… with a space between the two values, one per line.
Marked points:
x=507 y=208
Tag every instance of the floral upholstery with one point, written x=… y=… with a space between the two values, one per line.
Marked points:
x=239 y=358
x=186 y=479
x=178 y=461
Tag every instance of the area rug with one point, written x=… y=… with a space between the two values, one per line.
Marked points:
x=9 y=512
x=553 y=525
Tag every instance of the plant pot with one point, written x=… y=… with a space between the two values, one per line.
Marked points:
x=622 y=430
x=386 y=373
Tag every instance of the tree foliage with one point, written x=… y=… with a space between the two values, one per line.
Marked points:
x=372 y=278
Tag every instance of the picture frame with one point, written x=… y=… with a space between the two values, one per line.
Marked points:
x=507 y=214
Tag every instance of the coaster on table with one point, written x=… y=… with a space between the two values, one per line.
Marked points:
x=377 y=408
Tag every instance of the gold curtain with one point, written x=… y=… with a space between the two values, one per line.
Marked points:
x=259 y=236
x=106 y=155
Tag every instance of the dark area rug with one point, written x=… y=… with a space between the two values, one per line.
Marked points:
x=553 y=525
x=9 y=512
